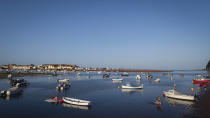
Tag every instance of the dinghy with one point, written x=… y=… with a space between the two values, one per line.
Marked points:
x=177 y=95
x=52 y=100
x=157 y=80
x=124 y=74
x=128 y=86
x=9 y=76
x=76 y=101
x=63 y=80
x=117 y=80
x=138 y=77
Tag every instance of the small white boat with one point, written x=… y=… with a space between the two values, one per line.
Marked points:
x=124 y=74
x=138 y=77
x=157 y=80
x=63 y=80
x=14 y=90
x=128 y=86
x=177 y=95
x=76 y=101
x=63 y=86
x=117 y=79
x=10 y=76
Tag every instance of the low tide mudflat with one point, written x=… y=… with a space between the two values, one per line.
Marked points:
x=107 y=99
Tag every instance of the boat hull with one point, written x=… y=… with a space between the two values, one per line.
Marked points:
x=181 y=97
x=14 y=90
x=200 y=81
x=131 y=87
x=117 y=79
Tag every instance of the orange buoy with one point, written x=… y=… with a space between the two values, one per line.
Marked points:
x=192 y=89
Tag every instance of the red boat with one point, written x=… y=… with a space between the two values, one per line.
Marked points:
x=201 y=81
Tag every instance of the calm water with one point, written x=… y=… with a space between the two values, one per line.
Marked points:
x=107 y=99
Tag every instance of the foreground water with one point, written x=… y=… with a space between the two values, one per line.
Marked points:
x=107 y=99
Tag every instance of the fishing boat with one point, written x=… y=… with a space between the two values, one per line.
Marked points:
x=76 y=101
x=128 y=86
x=124 y=74
x=201 y=80
x=63 y=80
x=117 y=79
x=12 y=91
x=157 y=80
x=177 y=95
x=63 y=86
x=138 y=77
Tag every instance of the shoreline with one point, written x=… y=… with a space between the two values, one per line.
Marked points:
x=5 y=75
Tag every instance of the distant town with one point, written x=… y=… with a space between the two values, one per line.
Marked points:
x=69 y=67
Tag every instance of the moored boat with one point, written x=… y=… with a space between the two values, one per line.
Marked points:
x=201 y=80
x=138 y=77
x=177 y=95
x=149 y=76
x=76 y=101
x=157 y=80
x=128 y=86
x=63 y=80
x=117 y=79
x=52 y=100
x=124 y=74
x=12 y=91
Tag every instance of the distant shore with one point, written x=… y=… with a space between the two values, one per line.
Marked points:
x=5 y=75
x=131 y=70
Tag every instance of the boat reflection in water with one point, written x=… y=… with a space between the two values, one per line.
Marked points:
x=76 y=106
x=132 y=91
x=175 y=102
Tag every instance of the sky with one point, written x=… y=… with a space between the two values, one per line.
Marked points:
x=144 y=34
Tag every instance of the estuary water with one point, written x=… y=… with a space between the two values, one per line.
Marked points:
x=108 y=100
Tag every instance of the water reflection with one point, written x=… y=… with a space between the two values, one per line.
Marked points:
x=131 y=91
x=175 y=102
x=76 y=106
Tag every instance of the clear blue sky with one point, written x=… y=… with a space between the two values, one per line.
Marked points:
x=146 y=34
